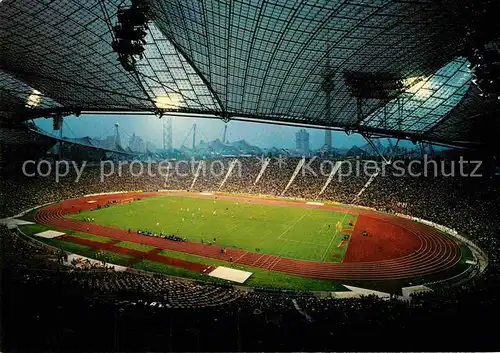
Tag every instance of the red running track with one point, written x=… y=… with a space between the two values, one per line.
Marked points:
x=395 y=248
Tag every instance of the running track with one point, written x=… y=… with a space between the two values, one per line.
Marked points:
x=425 y=251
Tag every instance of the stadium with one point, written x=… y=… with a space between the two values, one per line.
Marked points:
x=227 y=246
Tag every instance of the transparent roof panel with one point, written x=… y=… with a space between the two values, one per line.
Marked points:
x=169 y=79
x=63 y=49
x=426 y=100
x=22 y=95
x=268 y=58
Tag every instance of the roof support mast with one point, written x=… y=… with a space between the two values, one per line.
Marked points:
x=225 y=134
x=186 y=137
x=426 y=149
x=392 y=149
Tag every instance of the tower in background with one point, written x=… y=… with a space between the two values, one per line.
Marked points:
x=117 y=144
x=194 y=136
x=328 y=140
x=225 y=134
x=167 y=133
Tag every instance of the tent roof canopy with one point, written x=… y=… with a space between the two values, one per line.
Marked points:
x=283 y=61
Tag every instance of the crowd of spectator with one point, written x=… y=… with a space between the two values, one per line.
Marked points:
x=62 y=308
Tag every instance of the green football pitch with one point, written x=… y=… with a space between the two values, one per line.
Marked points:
x=301 y=233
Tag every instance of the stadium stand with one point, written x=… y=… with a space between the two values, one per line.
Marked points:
x=211 y=317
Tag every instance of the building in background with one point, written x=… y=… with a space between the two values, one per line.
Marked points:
x=302 y=141
x=137 y=144
x=150 y=147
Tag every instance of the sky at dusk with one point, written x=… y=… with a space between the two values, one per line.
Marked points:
x=150 y=129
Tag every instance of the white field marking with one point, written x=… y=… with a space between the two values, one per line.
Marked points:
x=323 y=226
x=246 y=252
x=298 y=241
x=333 y=238
x=274 y=263
x=243 y=221
x=257 y=260
x=236 y=225
x=228 y=233
x=319 y=231
x=302 y=242
x=268 y=261
x=286 y=231
x=307 y=242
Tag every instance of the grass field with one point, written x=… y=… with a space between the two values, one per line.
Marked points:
x=135 y=246
x=299 y=233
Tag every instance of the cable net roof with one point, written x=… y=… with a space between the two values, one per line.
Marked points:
x=425 y=102
x=282 y=60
